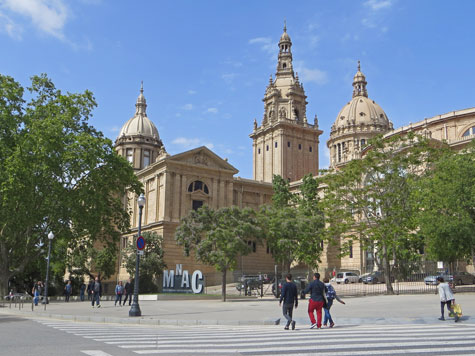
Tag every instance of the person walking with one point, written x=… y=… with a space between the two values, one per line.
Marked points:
x=331 y=296
x=317 y=299
x=446 y=298
x=90 y=286
x=68 y=290
x=82 y=289
x=129 y=291
x=36 y=291
x=96 y=292
x=290 y=297
x=119 y=291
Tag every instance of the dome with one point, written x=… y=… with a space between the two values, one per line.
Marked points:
x=361 y=111
x=139 y=126
x=285 y=36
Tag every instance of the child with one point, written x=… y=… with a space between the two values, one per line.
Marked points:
x=331 y=295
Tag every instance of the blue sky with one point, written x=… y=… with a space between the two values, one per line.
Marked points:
x=206 y=64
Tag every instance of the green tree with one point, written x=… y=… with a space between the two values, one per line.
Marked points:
x=447 y=212
x=369 y=200
x=57 y=173
x=151 y=262
x=293 y=224
x=218 y=237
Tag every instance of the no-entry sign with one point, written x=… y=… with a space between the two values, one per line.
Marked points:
x=140 y=243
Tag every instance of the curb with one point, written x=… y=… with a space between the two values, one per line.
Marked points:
x=137 y=321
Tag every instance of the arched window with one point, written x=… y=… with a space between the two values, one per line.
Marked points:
x=198 y=185
x=470 y=131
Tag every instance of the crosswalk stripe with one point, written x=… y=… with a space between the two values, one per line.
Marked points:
x=95 y=353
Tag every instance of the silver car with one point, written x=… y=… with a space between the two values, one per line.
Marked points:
x=347 y=277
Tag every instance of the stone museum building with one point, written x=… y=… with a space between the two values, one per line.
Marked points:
x=284 y=142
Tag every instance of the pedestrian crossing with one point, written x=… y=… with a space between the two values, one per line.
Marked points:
x=435 y=339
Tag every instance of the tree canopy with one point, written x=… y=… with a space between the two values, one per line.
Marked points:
x=57 y=173
x=218 y=237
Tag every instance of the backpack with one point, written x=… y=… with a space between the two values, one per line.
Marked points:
x=331 y=294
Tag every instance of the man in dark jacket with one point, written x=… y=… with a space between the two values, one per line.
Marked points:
x=97 y=292
x=129 y=291
x=289 y=296
x=317 y=290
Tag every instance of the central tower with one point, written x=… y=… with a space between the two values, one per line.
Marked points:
x=285 y=143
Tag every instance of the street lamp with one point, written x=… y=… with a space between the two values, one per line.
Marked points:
x=50 y=238
x=135 y=309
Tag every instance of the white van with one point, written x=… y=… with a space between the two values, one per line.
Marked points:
x=346 y=277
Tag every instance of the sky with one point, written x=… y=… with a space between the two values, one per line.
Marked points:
x=205 y=64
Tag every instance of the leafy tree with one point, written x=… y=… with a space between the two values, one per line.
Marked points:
x=218 y=237
x=293 y=224
x=447 y=213
x=151 y=262
x=57 y=173
x=369 y=200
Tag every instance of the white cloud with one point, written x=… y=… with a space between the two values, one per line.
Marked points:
x=191 y=142
x=49 y=16
x=13 y=29
x=376 y=5
x=191 y=92
x=266 y=44
x=307 y=75
x=212 y=110
x=188 y=107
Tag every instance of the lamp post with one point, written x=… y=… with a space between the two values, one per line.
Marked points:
x=50 y=238
x=135 y=308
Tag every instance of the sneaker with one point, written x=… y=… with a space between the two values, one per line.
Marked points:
x=332 y=325
x=441 y=318
x=293 y=325
x=457 y=318
x=325 y=324
x=286 y=327
x=313 y=325
x=99 y=306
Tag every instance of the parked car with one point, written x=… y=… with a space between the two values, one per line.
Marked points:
x=463 y=278
x=375 y=277
x=247 y=284
x=432 y=280
x=346 y=277
x=360 y=278
x=17 y=296
x=300 y=282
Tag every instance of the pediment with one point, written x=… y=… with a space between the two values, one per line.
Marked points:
x=203 y=157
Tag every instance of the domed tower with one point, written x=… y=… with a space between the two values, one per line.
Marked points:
x=356 y=123
x=138 y=140
x=285 y=143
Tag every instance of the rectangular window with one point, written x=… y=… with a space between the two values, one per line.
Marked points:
x=146 y=158
x=130 y=155
x=288 y=143
x=310 y=149
x=300 y=146
x=351 y=251
x=276 y=145
x=258 y=151
x=267 y=147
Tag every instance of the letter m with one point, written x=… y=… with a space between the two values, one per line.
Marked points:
x=169 y=279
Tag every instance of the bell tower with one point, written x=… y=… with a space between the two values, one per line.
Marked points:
x=285 y=143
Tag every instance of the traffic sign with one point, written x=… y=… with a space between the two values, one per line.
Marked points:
x=140 y=252
x=140 y=243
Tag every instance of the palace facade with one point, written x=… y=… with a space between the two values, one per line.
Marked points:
x=284 y=142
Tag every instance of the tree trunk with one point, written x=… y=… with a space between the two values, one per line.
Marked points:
x=4 y=278
x=387 y=270
x=223 y=286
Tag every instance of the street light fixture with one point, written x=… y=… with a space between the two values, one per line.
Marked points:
x=50 y=238
x=135 y=309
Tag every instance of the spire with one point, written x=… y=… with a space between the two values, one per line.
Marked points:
x=359 y=83
x=284 y=65
x=141 y=104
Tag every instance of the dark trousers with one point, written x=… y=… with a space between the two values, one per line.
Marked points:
x=118 y=297
x=318 y=306
x=287 y=310
x=81 y=296
x=96 y=298
x=449 y=307
x=67 y=296
x=128 y=296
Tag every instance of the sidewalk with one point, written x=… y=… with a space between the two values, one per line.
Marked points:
x=402 y=309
